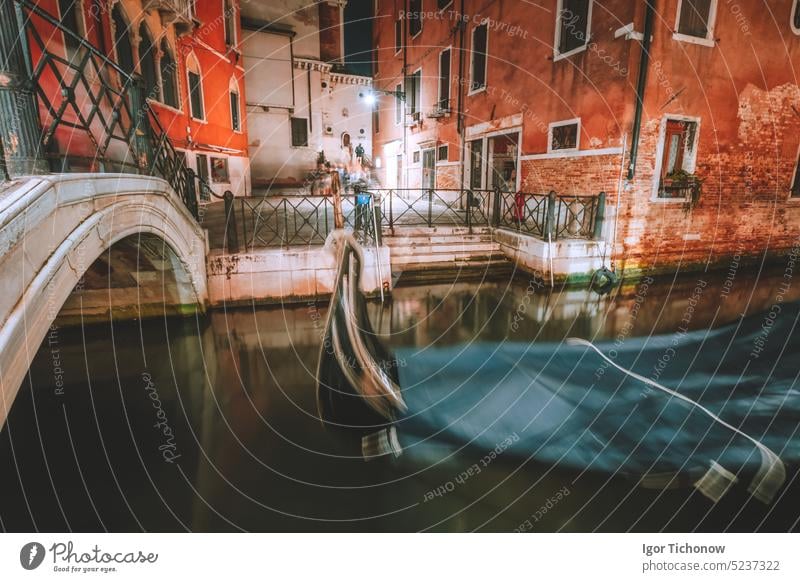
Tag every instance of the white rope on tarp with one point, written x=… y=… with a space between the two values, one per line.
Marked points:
x=770 y=476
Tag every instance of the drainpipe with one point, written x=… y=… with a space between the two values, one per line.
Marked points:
x=405 y=101
x=460 y=85
x=20 y=132
x=640 y=85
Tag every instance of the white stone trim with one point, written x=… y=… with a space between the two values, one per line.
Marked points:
x=560 y=154
x=709 y=38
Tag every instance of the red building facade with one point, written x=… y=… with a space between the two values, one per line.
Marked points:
x=185 y=58
x=547 y=97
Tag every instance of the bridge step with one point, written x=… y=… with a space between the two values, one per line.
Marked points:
x=431 y=255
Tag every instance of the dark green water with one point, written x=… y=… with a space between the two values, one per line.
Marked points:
x=211 y=424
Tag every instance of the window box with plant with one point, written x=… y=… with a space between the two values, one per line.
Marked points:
x=681 y=184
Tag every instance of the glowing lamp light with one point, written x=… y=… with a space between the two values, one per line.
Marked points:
x=369 y=98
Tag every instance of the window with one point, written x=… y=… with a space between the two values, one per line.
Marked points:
x=376 y=59
x=398 y=105
x=195 y=88
x=441 y=154
x=147 y=62
x=573 y=26
x=677 y=158
x=796 y=181
x=415 y=157
x=442 y=4
x=564 y=135
x=795 y=18
x=376 y=116
x=219 y=171
x=230 y=23
x=480 y=40
x=415 y=17
x=444 y=80
x=168 y=69
x=299 y=132
x=413 y=94
x=398 y=35
x=695 y=20
x=122 y=40
x=236 y=113
x=202 y=167
x=72 y=19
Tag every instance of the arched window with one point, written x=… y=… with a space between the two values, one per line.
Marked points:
x=230 y=22
x=72 y=19
x=236 y=108
x=169 y=76
x=122 y=40
x=795 y=19
x=147 y=61
x=195 y=79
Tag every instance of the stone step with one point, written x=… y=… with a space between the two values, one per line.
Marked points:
x=395 y=241
x=452 y=248
x=404 y=231
x=444 y=258
x=447 y=272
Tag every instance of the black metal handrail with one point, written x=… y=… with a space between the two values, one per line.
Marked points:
x=547 y=216
x=89 y=94
x=287 y=221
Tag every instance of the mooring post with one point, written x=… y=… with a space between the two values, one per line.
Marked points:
x=336 y=191
x=20 y=131
x=551 y=216
x=600 y=216
x=231 y=236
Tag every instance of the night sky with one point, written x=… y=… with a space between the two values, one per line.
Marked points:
x=358 y=36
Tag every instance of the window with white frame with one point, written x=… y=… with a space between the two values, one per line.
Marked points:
x=414 y=94
x=677 y=158
x=398 y=104
x=195 y=78
x=72 y=19
x=479 y=57
x=573 y=26
x=695 y=20
x=169 y=79
x=564 y=136
x=795 y=17
x=236 y=108
x=220 y=173
x=229 y=14
x=444 y=80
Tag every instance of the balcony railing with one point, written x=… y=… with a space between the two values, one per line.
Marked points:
x=94 y=115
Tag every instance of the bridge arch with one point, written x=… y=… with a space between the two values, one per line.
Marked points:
x=53 y=228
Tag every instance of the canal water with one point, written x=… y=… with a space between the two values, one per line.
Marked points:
x=212 y=424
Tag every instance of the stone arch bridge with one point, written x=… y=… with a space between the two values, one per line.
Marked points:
x=60 y=233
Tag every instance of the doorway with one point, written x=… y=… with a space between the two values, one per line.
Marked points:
x=429 y=169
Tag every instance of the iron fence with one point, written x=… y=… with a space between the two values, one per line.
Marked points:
x=432 y=207
x=540 y=215
x=94 y=115
x=300 y=220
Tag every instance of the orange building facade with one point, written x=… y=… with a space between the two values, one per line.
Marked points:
x=687 y=114
x=187 y=57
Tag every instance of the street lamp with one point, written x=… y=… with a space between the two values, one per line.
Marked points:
x=370 y=98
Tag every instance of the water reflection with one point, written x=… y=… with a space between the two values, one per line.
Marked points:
x=237 y=390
